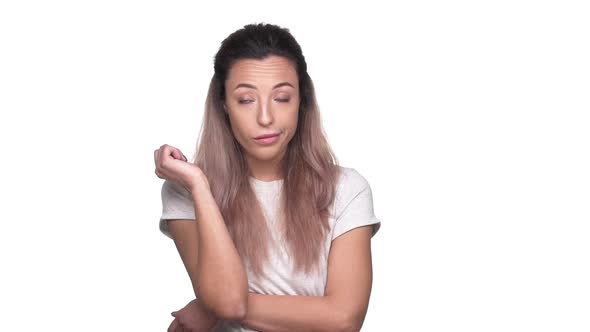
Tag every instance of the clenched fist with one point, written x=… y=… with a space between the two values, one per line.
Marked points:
x=171 y=164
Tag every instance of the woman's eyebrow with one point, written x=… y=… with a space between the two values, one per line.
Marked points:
x=246 y=85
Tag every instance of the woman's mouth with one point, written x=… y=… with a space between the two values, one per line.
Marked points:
x=267 y=139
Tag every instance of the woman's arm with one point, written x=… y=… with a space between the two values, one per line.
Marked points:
x=211 y=259
x=273 y=313
x=220 y=279
x=344 y=306
x=184 y=234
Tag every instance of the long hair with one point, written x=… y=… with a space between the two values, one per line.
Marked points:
x=309 y=167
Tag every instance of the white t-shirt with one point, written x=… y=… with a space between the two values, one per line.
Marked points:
x=353 y=207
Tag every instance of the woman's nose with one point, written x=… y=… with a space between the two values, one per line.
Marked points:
x=265 y=115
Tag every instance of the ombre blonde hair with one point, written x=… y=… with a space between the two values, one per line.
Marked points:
x=310 y=168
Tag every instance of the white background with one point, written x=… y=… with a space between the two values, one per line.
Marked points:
x=469 y=119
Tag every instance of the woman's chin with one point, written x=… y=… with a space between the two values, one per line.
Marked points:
x=266 y=153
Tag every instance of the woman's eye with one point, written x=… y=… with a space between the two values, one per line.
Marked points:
x=248 y=101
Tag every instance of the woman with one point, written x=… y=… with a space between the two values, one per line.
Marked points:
x=282 y=235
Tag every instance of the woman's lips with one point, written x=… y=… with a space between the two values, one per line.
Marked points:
x=267 y=140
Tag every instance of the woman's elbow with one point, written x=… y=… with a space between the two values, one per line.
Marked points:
x=228 y=302
x=350 y=326
x=234 y=309
x=351 y=322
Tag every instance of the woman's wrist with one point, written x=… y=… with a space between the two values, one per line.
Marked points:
x=199 y=183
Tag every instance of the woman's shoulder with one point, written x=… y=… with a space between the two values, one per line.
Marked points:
x=353 y=205
x=350 y=179
x=176 y=201
x=351 y=183
x=171 y=189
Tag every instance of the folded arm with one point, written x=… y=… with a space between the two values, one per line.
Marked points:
x=344 y=304
x=211 y=259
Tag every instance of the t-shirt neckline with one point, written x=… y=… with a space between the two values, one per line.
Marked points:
x=265 y=184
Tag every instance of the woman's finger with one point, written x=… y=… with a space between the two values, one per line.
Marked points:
x=176 y=153
x=173 y=326
x=158 y=154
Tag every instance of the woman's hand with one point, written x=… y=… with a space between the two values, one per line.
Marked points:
x=192 y=318
x=172 y=165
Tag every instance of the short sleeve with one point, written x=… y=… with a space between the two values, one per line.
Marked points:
x=177 y=203
x=356 y=208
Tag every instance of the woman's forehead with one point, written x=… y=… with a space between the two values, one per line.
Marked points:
x=269 y=68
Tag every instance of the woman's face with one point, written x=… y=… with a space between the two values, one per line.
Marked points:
x=262 y=97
